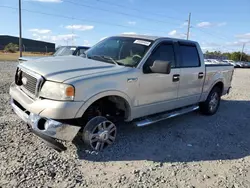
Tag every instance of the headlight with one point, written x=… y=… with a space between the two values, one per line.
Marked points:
x=57 y=91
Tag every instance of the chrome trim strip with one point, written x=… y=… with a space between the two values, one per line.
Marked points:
x=129 y=80
x=31 y=73
x=39 y=82
x=19 y=112
x=27 y=92
x=155 y=119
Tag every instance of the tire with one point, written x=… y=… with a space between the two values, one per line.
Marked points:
x=211 y=105
x=99 y=133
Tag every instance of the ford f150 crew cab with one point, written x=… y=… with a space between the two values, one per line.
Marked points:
x=132 y=78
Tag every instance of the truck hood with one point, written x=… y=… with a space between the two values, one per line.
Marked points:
x=29 y=58
x=60 y=69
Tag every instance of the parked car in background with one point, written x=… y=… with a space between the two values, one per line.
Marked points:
x=209 y=61
x=230 y=62
x=245 y=64
x=239 y=64
x=213 y=61
x=61 y=51
x=144 y=79
x=71 y=50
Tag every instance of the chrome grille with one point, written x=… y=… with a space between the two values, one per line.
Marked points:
x=30 y=85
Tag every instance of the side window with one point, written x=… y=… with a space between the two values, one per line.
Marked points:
x=164 y=52
x=81 y=51
x=190 y=57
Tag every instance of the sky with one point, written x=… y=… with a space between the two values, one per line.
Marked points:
x=216 y=24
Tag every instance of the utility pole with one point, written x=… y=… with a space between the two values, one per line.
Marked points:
x=72 y=36
x=188 y=30
x=242 y=51
x=72 y=33
x=20 y=28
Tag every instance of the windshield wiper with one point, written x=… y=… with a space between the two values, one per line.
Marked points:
x=105 y=58
x=110 y=58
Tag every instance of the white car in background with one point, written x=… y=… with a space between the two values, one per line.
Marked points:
x=230 y=62
x=61 y=51
x=212 y=61
x=235 y=63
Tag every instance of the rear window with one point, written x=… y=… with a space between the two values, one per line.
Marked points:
x=190 y=57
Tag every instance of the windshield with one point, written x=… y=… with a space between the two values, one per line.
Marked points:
x=120 y=50
x=65 y=50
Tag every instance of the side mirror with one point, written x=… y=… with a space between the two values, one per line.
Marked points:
x=161 y=67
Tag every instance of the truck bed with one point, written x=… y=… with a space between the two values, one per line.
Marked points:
x=214 y=71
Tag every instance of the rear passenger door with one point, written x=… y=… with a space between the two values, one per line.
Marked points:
x=192 y=74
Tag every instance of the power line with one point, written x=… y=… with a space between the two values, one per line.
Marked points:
x=131 y=8
x=118 y=12
x=41 y=5
x=80 y=19
x=211 y=34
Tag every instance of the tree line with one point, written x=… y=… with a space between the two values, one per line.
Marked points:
x=232 y=56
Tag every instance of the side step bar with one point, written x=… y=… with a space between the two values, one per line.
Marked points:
x=164 y=116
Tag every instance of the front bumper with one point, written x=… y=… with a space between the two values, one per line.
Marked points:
x=46 y=108
x=45 y=128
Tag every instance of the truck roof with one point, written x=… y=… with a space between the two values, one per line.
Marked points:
x=153 y=38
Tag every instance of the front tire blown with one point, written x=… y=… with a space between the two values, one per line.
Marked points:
x=99 y=133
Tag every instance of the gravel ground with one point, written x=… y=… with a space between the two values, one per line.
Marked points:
x=188 y=151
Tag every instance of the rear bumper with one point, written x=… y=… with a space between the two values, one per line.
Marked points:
x=47 y=129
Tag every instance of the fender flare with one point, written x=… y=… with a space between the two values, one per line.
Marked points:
x=100 y=95
x=212 y=86
x=216 y=82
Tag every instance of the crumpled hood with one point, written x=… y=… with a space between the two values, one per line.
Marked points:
x=63 y=68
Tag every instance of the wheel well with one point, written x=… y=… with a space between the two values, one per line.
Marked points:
x=220 y=86
x=112 y=107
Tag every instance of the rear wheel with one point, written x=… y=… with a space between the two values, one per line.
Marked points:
x=99 y=133
x=211 y=105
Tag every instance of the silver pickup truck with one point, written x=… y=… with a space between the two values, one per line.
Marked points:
x=132 y=78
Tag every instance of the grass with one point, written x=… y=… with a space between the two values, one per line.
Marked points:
x=14 y=56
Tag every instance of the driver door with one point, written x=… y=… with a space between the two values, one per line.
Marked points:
x=158 y=92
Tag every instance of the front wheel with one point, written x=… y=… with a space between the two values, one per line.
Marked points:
x=211 y=105
x=99 y=133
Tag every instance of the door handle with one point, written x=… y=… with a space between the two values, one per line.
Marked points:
x=176 y=77
x=200 y=75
